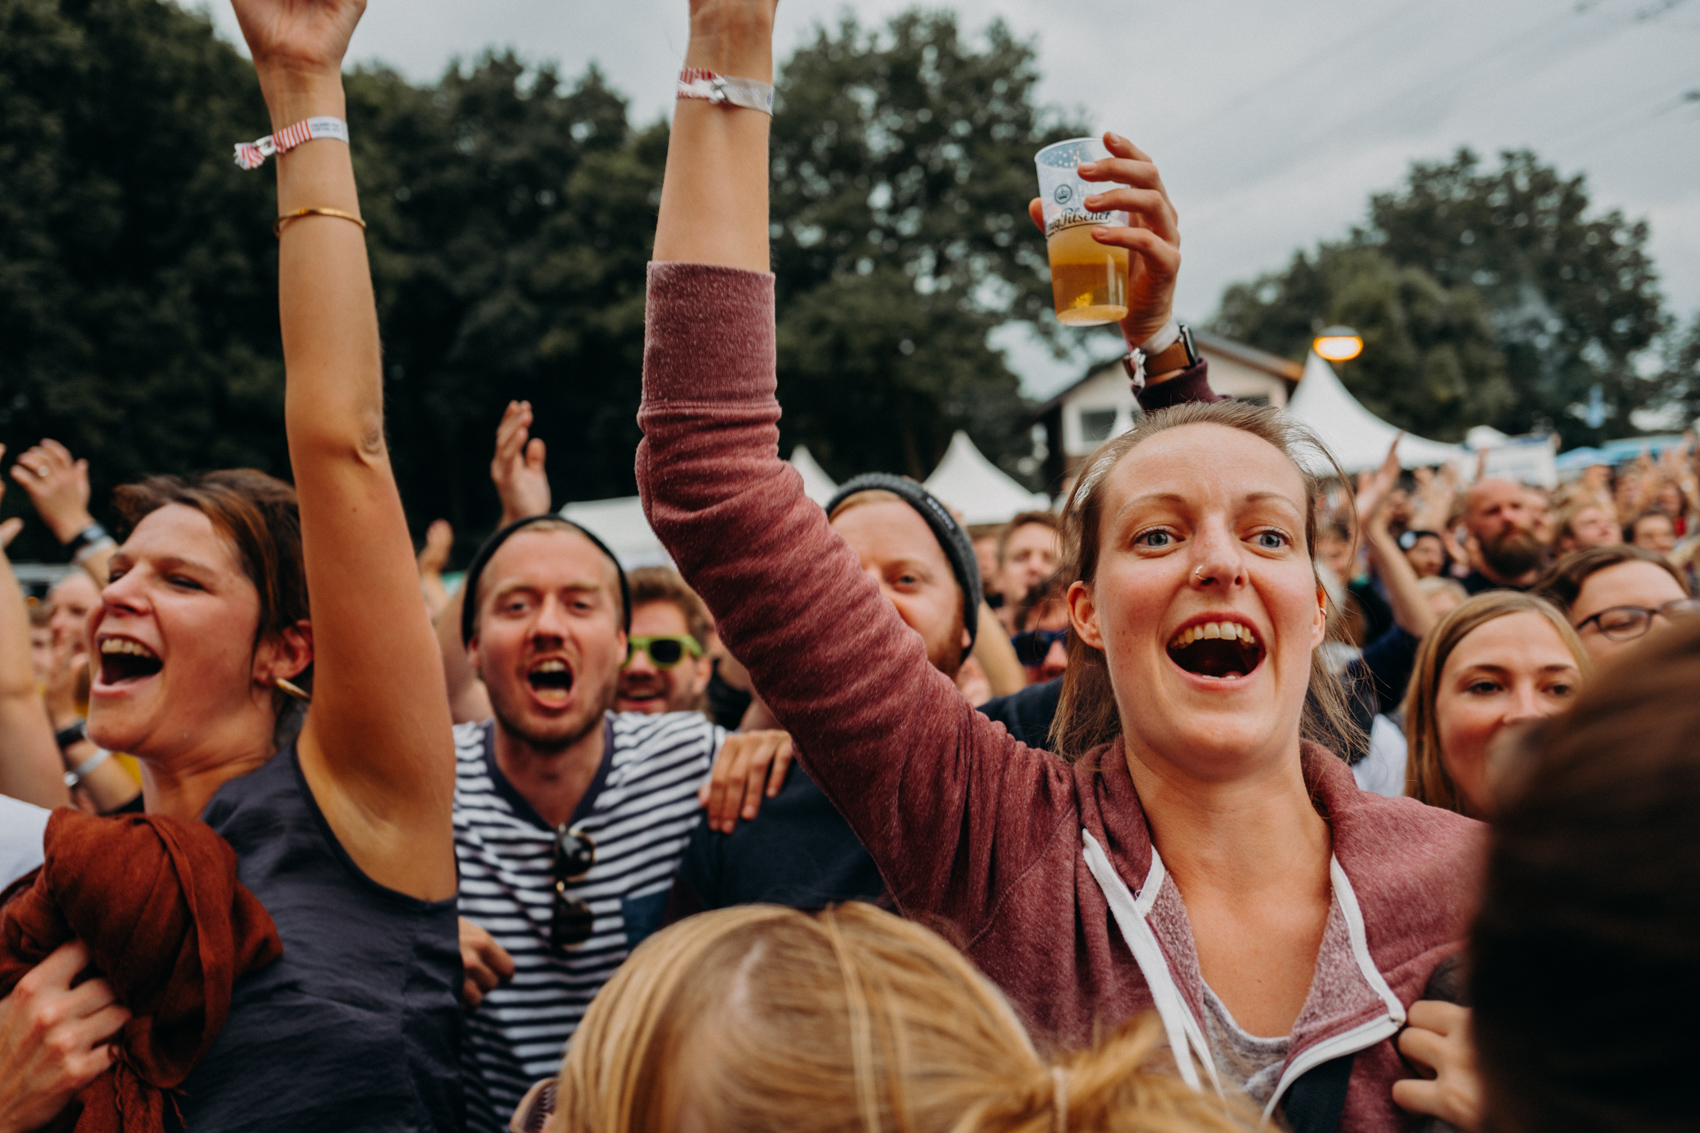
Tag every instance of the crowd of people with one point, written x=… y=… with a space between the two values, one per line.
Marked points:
x=1229 y=793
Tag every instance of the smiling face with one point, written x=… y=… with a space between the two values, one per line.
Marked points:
x=1030 y=557
x=1204 y=602
x=1427 y=555
x=548 y=642
x=1592 y=526
x=73 y=598
x=1631 y=583
x=179 y=675
x=1510 y=670
x=644 y=686
x=902 y=555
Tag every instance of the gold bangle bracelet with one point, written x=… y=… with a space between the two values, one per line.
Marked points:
x=277 y=229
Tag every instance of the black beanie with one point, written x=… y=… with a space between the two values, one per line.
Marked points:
x=954 y=541
x=469 y=584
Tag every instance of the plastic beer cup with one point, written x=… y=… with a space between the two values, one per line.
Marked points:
x=1088 y=279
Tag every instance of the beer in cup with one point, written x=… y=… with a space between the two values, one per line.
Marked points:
x=1088 y=279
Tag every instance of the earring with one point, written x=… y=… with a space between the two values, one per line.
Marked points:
x=292 y=688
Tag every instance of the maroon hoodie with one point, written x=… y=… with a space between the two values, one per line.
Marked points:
x=990 y=841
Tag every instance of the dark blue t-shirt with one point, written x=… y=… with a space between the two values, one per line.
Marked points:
x=357 y=1025
x=799 y=851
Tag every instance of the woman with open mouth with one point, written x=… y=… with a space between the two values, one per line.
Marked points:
x=235 y=598
x=1186 y=847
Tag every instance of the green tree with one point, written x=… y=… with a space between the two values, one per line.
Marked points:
x=1680 y=381
x=511 y=219
x=137 y=267
x=1429 y=363
x=902 y=164
x=1572 y=297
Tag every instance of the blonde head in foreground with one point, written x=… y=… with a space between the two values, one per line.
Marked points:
x=846 y=1021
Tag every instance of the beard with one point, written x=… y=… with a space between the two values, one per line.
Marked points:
x=1513 y=553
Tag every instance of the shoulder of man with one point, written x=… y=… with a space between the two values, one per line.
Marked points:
x=640 y=737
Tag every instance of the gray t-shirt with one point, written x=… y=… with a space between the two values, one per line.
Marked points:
x=1249 y=1061
x=21 y=828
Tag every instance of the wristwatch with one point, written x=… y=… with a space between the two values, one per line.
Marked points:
x=74 y=734
x=1169 y=349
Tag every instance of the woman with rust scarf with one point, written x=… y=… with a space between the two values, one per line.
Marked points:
x=207 y=645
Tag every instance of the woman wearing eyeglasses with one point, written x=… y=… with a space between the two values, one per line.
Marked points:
x=1614 y=595
x=1502 y=658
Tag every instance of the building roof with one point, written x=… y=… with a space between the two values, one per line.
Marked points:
x=1273 y=364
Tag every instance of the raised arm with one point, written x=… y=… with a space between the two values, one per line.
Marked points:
x=29 y=759
x=1410 y=608
x=376 y=747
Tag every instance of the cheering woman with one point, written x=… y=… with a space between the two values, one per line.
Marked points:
x=1187 y=849
x=231 y=597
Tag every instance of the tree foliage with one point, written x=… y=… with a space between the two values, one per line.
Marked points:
x=138 y=295
x=902 y=164
x=1571 y=300
x=511 y=215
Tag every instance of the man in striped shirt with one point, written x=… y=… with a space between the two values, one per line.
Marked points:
x=569 y=818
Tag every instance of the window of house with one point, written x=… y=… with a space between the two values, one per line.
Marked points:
x=1096 y=424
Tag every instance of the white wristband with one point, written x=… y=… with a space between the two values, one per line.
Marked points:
x=1162 y=340
x=252 y=155
x=77 y=774
x=752 y=94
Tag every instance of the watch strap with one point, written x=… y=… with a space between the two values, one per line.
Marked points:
x=1180 y=354
x=74 y=734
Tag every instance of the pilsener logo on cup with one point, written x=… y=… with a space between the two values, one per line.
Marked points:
x=1088 y=279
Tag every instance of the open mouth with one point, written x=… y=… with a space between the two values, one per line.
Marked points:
x=125 y=659
x=551 y=677
x=1226 y=650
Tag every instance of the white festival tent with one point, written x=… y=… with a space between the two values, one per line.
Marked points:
x=620 y=523
x=1358 y=438
x=977 y=490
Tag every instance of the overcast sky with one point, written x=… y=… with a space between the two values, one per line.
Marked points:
x=1272 y=122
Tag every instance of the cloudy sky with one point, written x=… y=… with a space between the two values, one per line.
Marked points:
x=1272 y=122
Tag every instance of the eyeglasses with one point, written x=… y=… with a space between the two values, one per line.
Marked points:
x=535 y=1108
x=1626 y=623
x=664 y=650
x=1031 y=645
x=570 y=920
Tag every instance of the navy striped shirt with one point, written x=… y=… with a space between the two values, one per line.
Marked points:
x=640 y=809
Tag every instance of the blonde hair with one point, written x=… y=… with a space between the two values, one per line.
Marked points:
x=1087 y=715
x=847 y=1021
x=1426 y=778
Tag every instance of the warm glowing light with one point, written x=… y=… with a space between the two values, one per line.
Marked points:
x=1339 y=344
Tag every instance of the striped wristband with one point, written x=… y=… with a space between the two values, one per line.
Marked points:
x=252 y=155
x=752 y=94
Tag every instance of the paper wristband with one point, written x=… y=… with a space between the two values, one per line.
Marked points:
x=252 y=155
x=694 y=82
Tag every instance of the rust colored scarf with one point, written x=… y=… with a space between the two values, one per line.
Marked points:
x=166 y=923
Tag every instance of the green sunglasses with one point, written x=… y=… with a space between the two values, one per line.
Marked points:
x=664 y=650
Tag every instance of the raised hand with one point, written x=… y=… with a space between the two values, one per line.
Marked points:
x=517 y=468
x=1373 y=487
x=58 y=486
x=1153 y=239
x=299 y=37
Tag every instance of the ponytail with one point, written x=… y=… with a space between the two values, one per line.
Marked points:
x=1126 y=1083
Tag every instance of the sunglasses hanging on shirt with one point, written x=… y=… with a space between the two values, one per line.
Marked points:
x=570 y=920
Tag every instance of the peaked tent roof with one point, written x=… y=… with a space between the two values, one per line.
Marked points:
x=976 y=489
x=1358 y=438
x=817 y=485
x=621 y=524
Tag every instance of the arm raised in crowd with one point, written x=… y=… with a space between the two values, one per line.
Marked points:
x=376 y=748
x=884 y=733
x=58 y=486
x=29 y=759
x=1410 y=608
